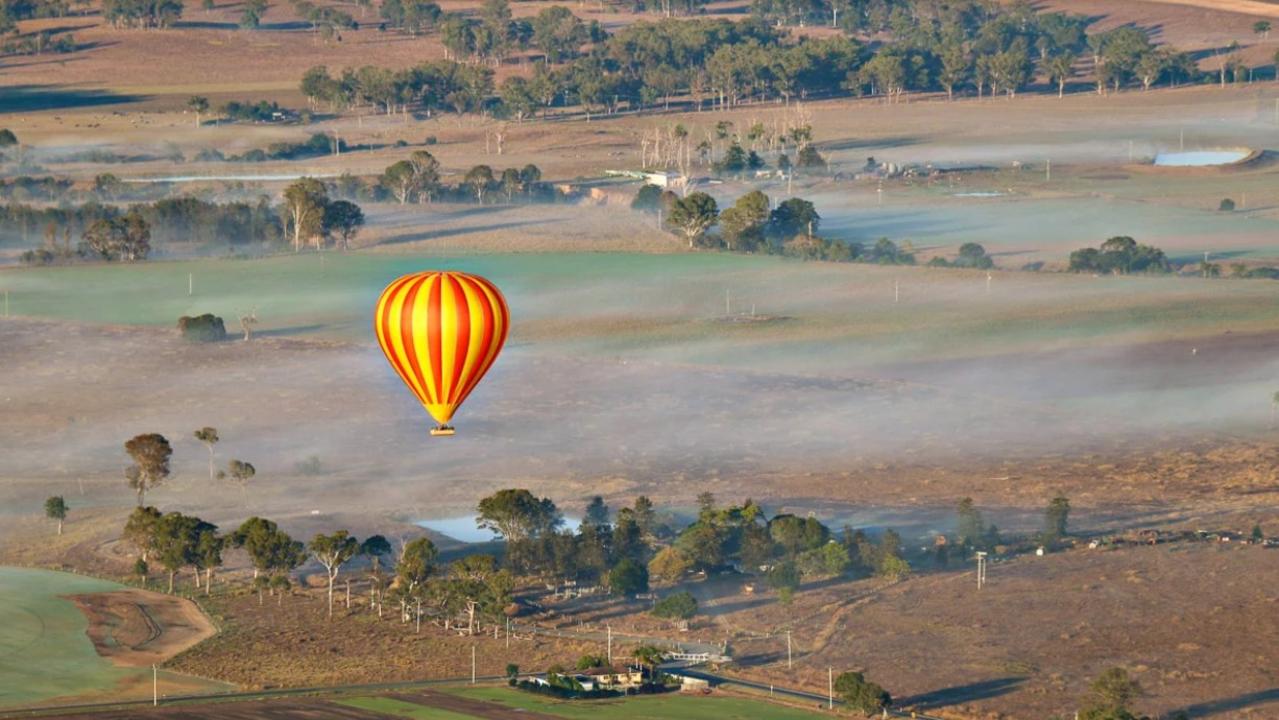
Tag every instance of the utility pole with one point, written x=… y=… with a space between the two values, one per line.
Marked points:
x=1048 y=171
x=610 y=645
x=472 y=664
x=1182 y=146
x=788 y=652
x=981 y=569
x=830 y=688
x=989 y=277
x=190 y=283
x=897 y=291
x=728 y=304
x=155 y=686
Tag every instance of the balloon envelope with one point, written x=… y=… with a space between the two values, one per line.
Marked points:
x=441 y=331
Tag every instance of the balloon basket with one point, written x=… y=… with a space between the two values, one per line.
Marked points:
x=442 y=430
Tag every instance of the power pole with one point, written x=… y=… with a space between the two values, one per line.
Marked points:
x=981 y=569
x=155 y=686
x=190 y=283
x=472 y=664
x=897 y=291
x=989 y=276
x=610 y=645
x=1048 y=171
x=788 y=653
x=830 y=688
x=728 y=303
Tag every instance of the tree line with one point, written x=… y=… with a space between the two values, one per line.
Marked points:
x=973 y=46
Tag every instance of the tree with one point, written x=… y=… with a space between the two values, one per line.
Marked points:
x=400 y=180
x=1262 y=28
x=596 y=512
x=956 y=67
x=693 y=216
x=1060 y=68
x=150 y=453
x=784 y=578
x=199 y=105
x=628 y=578
x=795 y=534
x=272 y=550
x=416 y=563
x=241 y=473
x=742 y=225
x=333 y=551
x=973 y=255
x=343 y=218
x=119 y=238
x=177 y=538
x=251 y=15
x=479 y=179
x=55 y=508
x=517 y=515
x=139 y=530
x=793 y=217
x=969 y=526
x=670 y=564
x=304 y=203
x=648 y=198
x=645 y=516
x=208 y=553
x=861 y=694
x=679 y=606
x=1055 y=519
x=208 y=436
x=650 y=656
x=558 y=33
x=7 y=138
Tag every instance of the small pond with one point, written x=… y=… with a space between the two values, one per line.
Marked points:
x=1200 y=158
x=463 y=528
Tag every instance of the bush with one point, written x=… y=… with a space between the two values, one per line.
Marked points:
x=430 y=140
x=681 y=606
x=202 y=328
x=1227 y=205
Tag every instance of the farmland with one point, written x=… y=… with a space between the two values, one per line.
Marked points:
x=648 y=360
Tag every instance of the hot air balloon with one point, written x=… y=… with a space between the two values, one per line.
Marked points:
x=441 y=331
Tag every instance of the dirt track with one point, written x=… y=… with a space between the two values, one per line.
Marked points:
x=136 y=628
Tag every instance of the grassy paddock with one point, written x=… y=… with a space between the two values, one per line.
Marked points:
x=655 y=707
x=670 y=307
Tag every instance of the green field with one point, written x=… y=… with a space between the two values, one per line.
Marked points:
x=44 y=651
x=400 y=708
x=660 y=707
x=666 y=307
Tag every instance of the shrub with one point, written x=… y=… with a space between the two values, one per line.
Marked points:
x=202 y=328
x=430 y=140
x=310 y=466
x=1227 y=205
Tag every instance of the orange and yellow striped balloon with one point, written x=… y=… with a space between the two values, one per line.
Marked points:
x=441 y=331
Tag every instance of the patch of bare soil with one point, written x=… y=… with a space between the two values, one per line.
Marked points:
x=136 y=628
